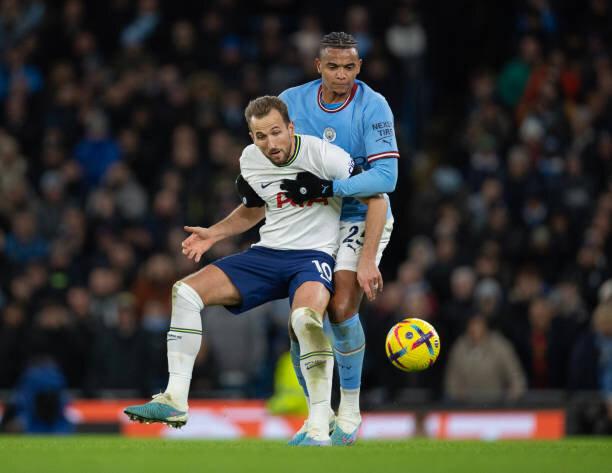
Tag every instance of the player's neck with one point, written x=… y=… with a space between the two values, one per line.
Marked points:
x=329 y=96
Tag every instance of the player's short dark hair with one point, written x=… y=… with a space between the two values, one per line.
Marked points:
x=338 y=40
x=261 y=106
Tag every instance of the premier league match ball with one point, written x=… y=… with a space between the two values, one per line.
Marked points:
x=412 y=345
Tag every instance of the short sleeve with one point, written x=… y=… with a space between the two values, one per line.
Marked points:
x=379 y=131
x=246 y=162
x=336 y=162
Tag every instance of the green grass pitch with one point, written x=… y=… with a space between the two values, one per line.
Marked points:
x=99 y=454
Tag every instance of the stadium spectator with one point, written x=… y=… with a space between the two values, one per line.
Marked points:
x=13 y=165
x=40 y=400
x=24 y=243
x=97 y=152
x=154 y=283
x=12 y=333
x=483 y=367
x=53 y=335
x=545 y=345
x=18 y=19
x=120 y=358
x=459 y=308
x=590 y=368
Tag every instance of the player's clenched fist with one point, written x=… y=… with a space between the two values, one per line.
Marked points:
x=307 y=186
x=198 y=243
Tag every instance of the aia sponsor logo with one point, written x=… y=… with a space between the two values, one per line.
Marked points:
x=282 y=199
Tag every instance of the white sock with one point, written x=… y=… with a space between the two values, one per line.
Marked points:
x=317 y=364
x=348 y=411
x=184 y=340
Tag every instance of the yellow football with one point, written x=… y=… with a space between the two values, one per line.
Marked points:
x=412 y=345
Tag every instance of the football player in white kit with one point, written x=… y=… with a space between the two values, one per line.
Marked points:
x=294 y=258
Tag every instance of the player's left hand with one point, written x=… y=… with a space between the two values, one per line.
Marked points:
x=369 y=278
x=307 y=186
x=198 y=243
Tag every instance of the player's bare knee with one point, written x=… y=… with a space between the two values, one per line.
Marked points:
x=341 y=310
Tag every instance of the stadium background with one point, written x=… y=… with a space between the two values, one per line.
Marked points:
x=121 y=121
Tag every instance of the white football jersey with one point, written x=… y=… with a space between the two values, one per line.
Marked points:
x=313 y=225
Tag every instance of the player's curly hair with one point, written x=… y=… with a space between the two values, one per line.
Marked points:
x=339 y=40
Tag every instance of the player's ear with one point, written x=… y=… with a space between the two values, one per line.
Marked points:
x=359 y=66
x=252 y=136
x=291 y=127
x=318 y=65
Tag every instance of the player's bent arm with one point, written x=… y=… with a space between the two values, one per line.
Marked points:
x=244 y=217
x=380 y=178
x=239 y=221
x=202 y=239
x=368 y=275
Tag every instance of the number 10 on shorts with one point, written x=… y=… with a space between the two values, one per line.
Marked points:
x=324 y=270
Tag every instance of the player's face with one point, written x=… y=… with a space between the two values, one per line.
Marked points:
x=338 y=69
x=273 y=136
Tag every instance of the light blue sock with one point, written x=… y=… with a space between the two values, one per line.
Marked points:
x=349 y=348
x=294 y=350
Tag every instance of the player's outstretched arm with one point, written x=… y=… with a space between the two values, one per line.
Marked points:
x=380 y=178
x=202 y=239
x=244 y=217
x=368 y=275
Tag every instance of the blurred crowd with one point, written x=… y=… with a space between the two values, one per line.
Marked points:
x=122 y=121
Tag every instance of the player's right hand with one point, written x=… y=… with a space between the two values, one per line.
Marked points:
x=198 y=243
x=369 y=278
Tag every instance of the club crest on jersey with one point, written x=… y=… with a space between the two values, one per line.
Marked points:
x=329 y=134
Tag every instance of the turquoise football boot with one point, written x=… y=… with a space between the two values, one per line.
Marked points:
x=310 y=442
x=300 y=435
x=162 y=409
x=340 y=438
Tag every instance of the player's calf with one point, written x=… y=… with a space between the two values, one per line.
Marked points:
x=316 y=363
x=349 y=348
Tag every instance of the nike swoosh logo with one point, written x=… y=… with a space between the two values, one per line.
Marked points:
x=312 y=364
x=324 y=188
x=263 y=186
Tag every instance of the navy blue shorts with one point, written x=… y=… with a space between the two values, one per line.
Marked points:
x=263 y=274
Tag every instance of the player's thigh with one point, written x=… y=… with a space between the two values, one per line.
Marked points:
x=350 y=244
x=214 y=286
x=313 y=295
x=347 y=296
x=347 y=293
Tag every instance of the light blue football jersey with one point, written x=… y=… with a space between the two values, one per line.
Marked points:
x=362 y=125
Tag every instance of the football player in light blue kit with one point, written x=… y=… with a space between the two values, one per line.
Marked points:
x=348 y=113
